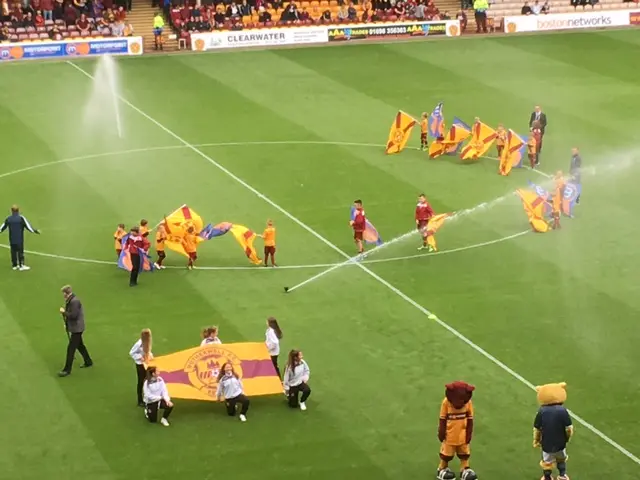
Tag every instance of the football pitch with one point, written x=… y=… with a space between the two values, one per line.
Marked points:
x=295 y=135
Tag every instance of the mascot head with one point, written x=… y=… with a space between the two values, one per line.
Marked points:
x=459 y=393
x=552 y=394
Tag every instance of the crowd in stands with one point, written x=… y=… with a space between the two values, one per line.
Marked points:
x=62 y=19
x=538 y=8
x=229 y=15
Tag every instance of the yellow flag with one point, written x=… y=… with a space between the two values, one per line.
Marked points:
x=534 y=206
x=245 y=238
x=176 y=226
x=511 y=153
x=433 y=226
x=400 y=132
x=482 y=137
x=193 y=373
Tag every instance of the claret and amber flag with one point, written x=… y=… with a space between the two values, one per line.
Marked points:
x=245 y=237
x=193 y=373
x=436 y=122
x=370 y=234
x=433 y=226
x=400 y=132
x=452 y=142
x=512 y=153
x=177 y=224
x=482 y=137
x=536 y=208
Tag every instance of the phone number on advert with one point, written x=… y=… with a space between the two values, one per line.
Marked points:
x=383 y=31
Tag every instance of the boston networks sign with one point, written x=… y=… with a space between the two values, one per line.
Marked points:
x=567 y=21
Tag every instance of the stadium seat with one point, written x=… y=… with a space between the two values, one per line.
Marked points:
x=324 y=3
x=65 y=34
x=48 y=23
x=23 y=36
x=44 y=36
x=74 y=34
x=13 y=38
x=34 y=36
x=20 y=30
x=59 y=22
x=31 y=29
x=333 y=3
x=85 y=34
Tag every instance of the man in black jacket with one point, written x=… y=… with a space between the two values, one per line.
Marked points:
x=538 y=116
x=73 y=315
x=16 y=224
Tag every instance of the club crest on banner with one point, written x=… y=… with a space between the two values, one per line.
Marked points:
x=204 y=366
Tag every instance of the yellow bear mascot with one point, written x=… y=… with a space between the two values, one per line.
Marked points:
x=552 y=429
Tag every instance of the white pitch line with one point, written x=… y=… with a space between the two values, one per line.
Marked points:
x=290 y=267
x=369 y=272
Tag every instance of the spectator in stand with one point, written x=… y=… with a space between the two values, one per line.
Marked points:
x=352 y=13
x=192 y=25
x=546 y=8
x=218 y=18
x=343 y=13
x=289 y=14
x=80 y=5
x=117 y=29
x=245 y=9
x=264 y=17
x=185 y=12
x=120 y=14
x=39 y=19
x=101 y=23
x=366 y=14
x=399 y=10
x=233 y=11
x=326 y=16
x=4 y=34
x=431 y=10
x=58 y=9
x=83 y=24
x=384 y=5
x=70 y=15
x=97 y=7
x=445 y=16
x=4 y=11
x=304 y=15
x=420 y=11
x=536 y=9
x=205 y=25
x=480 y=8
x=462 y=18
x=16 y=15
x=27 y=21
x=55 y=34
x=526 y=9
x=109 y=16
x=410 y=9
x=47 y=9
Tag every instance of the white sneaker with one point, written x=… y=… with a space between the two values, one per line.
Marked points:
x=16 y=268
x=303 y=406
x=164 y=422
x=156 y=266
x=243 y=418
x=162 y=267
x=421 y=248
x=23 y=268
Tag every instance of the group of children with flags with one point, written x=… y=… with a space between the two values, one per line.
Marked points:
x=153 y=394
x=135 y=244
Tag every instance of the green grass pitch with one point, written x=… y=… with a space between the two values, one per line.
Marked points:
x=556 y=307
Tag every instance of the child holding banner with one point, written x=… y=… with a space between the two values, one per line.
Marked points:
x=296 y=377
x=141 y=353
x=230 y=389
x=156 y=396
x=272 y=340
x=210 y=336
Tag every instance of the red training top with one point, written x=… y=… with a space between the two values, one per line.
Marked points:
x=137 y=241
x=359 y=220
x=424 y=212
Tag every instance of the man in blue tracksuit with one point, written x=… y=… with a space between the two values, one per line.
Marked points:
x=16 y=224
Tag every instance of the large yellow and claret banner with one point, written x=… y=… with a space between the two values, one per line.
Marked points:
x=193 y=373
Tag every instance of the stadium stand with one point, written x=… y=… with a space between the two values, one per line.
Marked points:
x=62 y=20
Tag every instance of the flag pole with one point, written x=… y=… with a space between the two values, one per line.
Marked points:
x=162 y=221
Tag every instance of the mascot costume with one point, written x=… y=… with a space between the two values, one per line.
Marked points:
x=552 y=429
x=455 y=430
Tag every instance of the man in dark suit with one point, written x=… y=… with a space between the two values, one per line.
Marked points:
x=538 y=116
x=73 y=315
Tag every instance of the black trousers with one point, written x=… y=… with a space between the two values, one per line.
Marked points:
x=135 y=269
x=17 y=255
x=274 y=360
x=294 y=391
x=232 y=402
x=76 y=343
x=481 y=21
x=152 y=410
x=141 y=372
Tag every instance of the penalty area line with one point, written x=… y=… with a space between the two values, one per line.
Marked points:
x=366 y=270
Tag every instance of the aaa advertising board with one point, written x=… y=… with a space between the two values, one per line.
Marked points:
x=570 y=21
x=258 y=38
x=71 y=48
x=450 y=28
